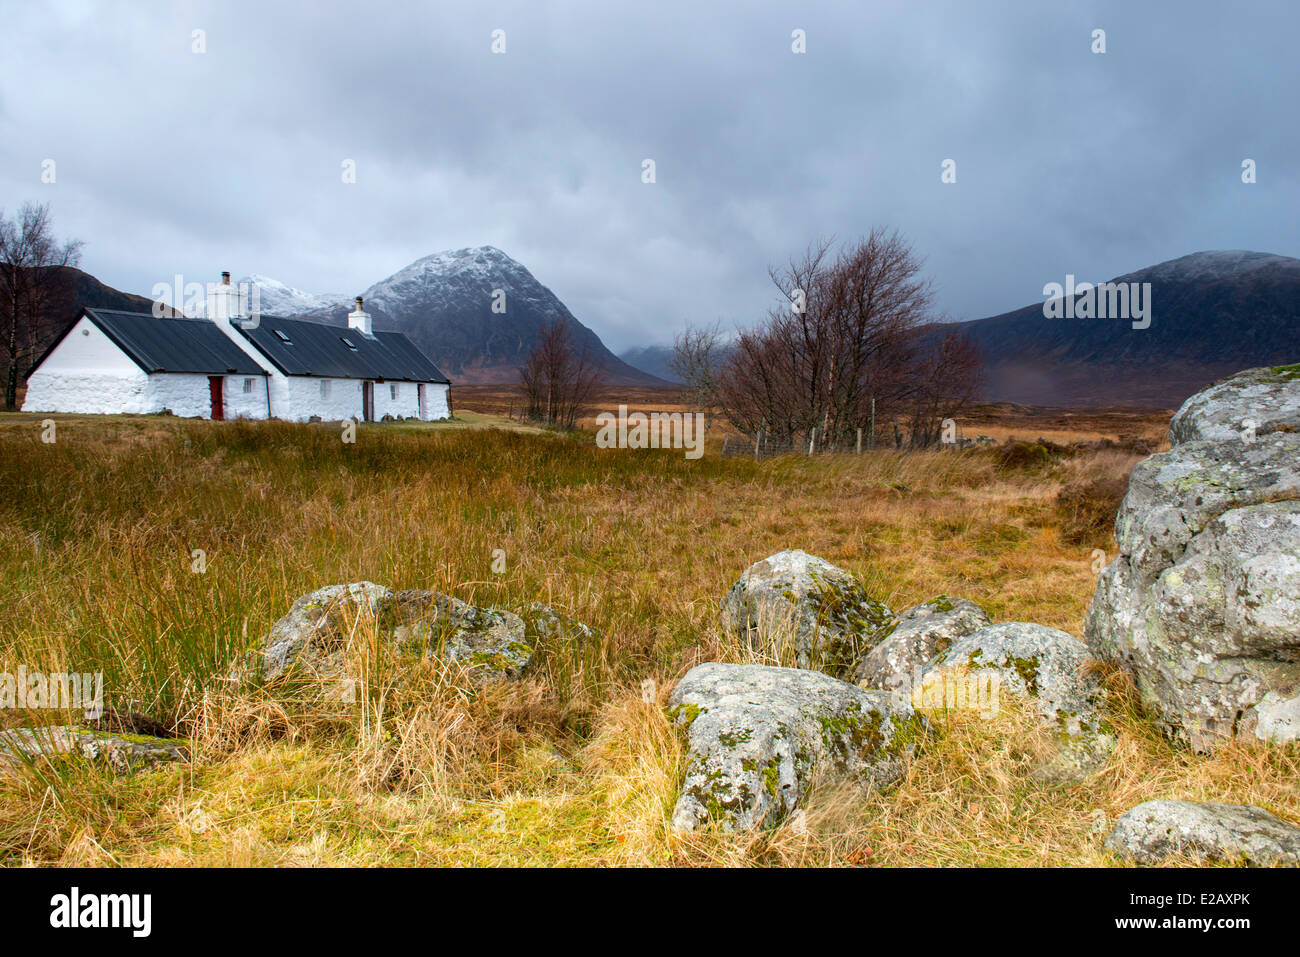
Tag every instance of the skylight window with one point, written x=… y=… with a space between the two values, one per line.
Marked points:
x=349 y=343
x=284 y=337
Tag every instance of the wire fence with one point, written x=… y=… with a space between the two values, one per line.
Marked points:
x=762 y=445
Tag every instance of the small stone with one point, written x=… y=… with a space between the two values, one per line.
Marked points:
x=120 y=754
x=1235 y=833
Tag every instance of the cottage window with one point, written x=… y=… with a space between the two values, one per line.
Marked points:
x=248 y=385
x=392 y=391
x=324 y=388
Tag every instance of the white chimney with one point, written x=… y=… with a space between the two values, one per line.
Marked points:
x=223 y=300
x=359 y=319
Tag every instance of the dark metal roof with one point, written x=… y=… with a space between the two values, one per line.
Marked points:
x=314 y=349
x=173 y=345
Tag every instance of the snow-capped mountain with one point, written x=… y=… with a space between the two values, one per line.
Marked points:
x=280 y=299
x=445 y=301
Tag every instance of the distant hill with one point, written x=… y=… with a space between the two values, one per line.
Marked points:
x=654 y=360
x=444 y=303
x=71 y=291
x=1213 y=314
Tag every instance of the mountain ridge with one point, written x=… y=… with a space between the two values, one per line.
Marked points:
x=1213 y=313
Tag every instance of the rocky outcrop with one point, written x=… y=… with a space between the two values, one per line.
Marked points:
x=121 y=754
x=756 y=734
x=1202 y=603
x=913 y=640
x=829 y=616
x=1235 y=833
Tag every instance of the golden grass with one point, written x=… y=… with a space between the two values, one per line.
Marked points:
x=577 y=764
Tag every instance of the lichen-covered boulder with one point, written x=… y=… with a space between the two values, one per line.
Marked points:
x=490 y=642
x=829 y=616
x=1202 y=603
x=122 y=754
x=756 y=734
x=318 y=624
x=914 y=639
x=1235 y=833
x=1051 y=669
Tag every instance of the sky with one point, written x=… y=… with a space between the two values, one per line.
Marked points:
x=170 y=159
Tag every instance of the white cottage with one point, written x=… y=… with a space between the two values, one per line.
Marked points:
x=228 y=366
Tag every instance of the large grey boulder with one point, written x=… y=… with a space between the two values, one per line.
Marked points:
x=122 y=755
x=1236 y=833
x=914 y=639
x=1202 y=603
x=830 y=618
x=1269 y=397
x=756 y=734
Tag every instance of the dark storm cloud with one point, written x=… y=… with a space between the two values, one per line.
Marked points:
x=1067 y=161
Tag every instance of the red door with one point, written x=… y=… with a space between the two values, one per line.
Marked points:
x=367 y=401
x=215 y=383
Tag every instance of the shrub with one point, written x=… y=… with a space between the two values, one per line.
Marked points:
x=1087 y=509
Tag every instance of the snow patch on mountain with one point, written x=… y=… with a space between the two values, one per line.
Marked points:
x=281 y=299
x=446 y=279
x=1211 y=265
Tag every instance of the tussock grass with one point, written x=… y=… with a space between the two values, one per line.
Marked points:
x=576 y=764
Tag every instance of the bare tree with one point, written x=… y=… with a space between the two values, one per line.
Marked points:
x=558 y=379
x=697 y=357
x=944 y=378
x=29 y=258
x=851 y=337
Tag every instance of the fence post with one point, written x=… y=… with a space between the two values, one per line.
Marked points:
x=871 y=439
x=757 y=436
x=812 y=439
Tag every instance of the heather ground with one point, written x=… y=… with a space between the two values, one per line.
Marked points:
x=571 y=765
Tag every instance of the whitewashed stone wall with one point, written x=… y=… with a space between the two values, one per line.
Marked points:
x=305 y=400
x=437 y=401
x=87 y=373
x=405 y=406
x=245 y=405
